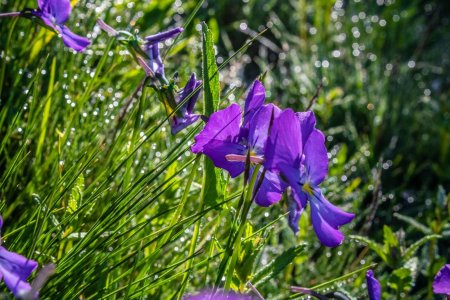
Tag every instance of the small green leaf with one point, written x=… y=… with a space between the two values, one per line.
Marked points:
x=277 y=265
x=414 y=223
x=401 y=280
x=250 y=250
x=371 y=244
x=391 y=248
x=414 y=247
x=76 y=195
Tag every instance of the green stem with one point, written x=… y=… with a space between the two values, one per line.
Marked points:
x=238 y=238
x=193 y=244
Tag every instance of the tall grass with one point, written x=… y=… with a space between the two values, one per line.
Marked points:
x=119 y=205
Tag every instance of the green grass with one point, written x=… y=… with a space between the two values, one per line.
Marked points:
x=120 y=205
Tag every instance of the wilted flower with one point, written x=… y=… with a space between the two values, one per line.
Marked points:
x=297 y=150
x=15 y=270
x=441 y=284
x=178 y=123
x=54 y=14
x=373 y=286
x=228 y=139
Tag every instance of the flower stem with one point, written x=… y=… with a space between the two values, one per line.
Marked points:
x=10 y=14
x=236 y=245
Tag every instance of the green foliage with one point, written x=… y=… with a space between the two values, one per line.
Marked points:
x=124 y=209
x=277 y=265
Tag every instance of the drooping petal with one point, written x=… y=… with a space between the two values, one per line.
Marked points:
x=59 y=9
x=44 y=18
x=190 y=86
x=155 y=60
x=296 y=205
x=441 y=283
x=162 y=36
x=15 y=270
x=271 y=189
x=259 y=127
x=284 y=146
x=254 y=101
x=307 y=121
x=373 y=286
x=177 y=124
x=222 y=125
x=217 y=150
x=327 y=218
x=316 y=159
x=74 y=41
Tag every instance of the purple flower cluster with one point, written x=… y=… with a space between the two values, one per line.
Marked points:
x=291 y=150
x=149 y=57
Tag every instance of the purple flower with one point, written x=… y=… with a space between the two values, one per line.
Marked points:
x=178 y=123
x=152 y=48
x=441 y=284
x=228 y=138
x=55 y=13
x=297 y=150
x=218 y=295
x=373 y=286
x=15 y=270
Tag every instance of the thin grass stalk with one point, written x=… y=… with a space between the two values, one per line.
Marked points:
x=237 y=240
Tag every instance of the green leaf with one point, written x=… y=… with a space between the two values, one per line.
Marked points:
x=390 y=239
x=371 y=244
x=76 y=195
x=213 y=181
x=277 y=265
x=401 y=280
x=414 y=247
x=211 y=85
x=391 y=248
x=414 y=223
x=250 y=249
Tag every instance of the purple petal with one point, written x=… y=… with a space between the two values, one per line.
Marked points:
x=307 y=123
x=327 y=218
x=59 y=9
x=259 y=127
x=155 y=60
x=284 y=146
x=296 y=205
x=373 y=286
x=162 y=36
x=441 y=284
x=254 y=101
x=74 y=41
x=222 y=125
x=316 y=159
x=218 y=150
x=45 y=18
x=177 y=124
x=191 y=85
x=218 y=295
x=271 y=189
x=1 y=222
x=15 y=270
